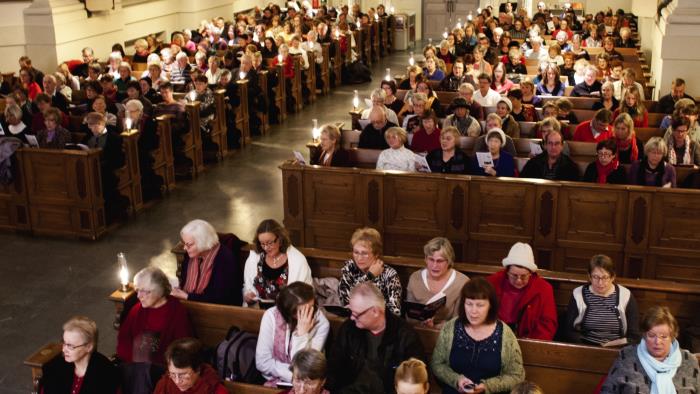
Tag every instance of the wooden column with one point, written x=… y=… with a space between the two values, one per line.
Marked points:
x=311 y=76
x=281 y=94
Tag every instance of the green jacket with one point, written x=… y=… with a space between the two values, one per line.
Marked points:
x=512 y=371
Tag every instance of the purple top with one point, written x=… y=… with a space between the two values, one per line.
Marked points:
x=650 y=179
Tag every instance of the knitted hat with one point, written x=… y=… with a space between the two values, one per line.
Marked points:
x=501 y=135
x=521 y=255
x=459 y=102
x=507 y=101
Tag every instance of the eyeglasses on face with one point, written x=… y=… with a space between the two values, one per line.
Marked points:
x=269 y=243
x=652 y=336
x=180 y=376
x=360 y=254
x=72 y=347
x=516 y=277
x=599 y=278
x=359 y=315
x=605 y=154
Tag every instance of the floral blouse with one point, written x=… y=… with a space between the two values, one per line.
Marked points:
x=269 y=281
x=388 y=283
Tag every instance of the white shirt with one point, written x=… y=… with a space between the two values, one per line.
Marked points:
x=489 y=100
x=402 y=159
x=271 y=368
x=299 y=270
x=390 y=115
x=543 y=53
x=618 y=90
x=304 y=57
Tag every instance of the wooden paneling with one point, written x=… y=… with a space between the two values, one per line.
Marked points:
x=163 y=161
x=647 y=231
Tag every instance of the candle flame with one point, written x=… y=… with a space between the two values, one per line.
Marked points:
x=124 y=275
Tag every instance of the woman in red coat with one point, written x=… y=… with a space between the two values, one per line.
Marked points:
x=526 y=301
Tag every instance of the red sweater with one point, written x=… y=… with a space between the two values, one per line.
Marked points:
x=584 y=133
x=208 y=383
x=422 y=142
x=146 y=332
x=288 y=66
x=538 y=312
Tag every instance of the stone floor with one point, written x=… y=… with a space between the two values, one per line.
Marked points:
x=44 y=281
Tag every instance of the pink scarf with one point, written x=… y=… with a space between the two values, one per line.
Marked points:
x=199 y=271
x=279 y=351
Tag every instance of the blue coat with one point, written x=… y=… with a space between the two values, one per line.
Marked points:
x=504 y=167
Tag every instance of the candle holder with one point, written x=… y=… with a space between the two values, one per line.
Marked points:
x=355 y=101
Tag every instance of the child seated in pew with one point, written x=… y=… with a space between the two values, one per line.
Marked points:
x=187 y=372
x=632 y=104
x=412 y=377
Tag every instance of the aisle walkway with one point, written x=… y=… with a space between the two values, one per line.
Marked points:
x=44 y=281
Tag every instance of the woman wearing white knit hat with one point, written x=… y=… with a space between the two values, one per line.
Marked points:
x=526 y=301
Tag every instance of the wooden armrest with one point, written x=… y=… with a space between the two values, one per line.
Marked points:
x=40 y=358
x=339 y=125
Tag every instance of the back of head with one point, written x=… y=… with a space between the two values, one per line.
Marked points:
x=412 y=371
x=526 y=388
x=185 y=353
x=369 y=292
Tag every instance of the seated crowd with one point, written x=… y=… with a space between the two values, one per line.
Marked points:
x=377 y=348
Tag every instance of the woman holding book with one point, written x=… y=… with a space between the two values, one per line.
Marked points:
x=436 y=281
x=602 y=312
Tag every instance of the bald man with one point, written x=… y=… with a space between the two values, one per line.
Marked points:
x=372 y=136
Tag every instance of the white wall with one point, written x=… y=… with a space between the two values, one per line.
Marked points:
x=52 y=31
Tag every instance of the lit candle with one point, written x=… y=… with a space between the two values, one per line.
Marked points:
x=241 y=75
x=478 y=10
x=280 y=58
x=411 y=60
x=315 y=131
x=470 y=17
x=459 y=23
x=430 y=42
x=192 y=95
x=127 y=123
x=444 y=34
x=337 y=33
x=255 y=37
x=123 y=271
x=355 y=101
x=388 y=75
x=376 y=18
x=391 y=10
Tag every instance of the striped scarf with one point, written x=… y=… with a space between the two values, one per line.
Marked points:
x=199 y=271
x=672 y=159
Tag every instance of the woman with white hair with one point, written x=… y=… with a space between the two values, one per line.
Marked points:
x=80 y=363
x=154 y=322
x=210 y=272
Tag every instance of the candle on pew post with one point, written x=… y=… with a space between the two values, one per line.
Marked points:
x=315 y=132
x=127 y=124
x=355 y=101
x=411 y=60
x=388 y=75
x=123 y=272
x=470 y=16
x=430 y=42
x=459 y=23
x=445 y=34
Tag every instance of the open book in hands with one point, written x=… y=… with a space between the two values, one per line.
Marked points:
x=418 y=311
x=615 y=343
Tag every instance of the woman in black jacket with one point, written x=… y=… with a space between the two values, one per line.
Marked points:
x=80 y=366
x=606 y=168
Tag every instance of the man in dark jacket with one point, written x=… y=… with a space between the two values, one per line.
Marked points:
x=372 y=136
x=552 y=164
x=370 y=345
x=667 y=103
x=457 y=77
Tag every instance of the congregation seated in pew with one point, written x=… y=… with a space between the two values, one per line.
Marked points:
x=657 y=363
x=273 y=264
x=52 y=135
x=448 y=158
x=629 y=147
x=187 y=371
x=295 y=323
x=366 y=265
x=13 y=125
x=605 y=169
x=370 y=345
x=80 y=367
x=477 y=351
x=439 y=278
x=525 y=300
x=156 y=321
x=210 y=271
x=427 y=137
x=502 y=163
x=552 y=163
x=595 y=130
x=396 y=156
x=378 y=97
x=602 y=312
x=390 y=100
x=652 y=169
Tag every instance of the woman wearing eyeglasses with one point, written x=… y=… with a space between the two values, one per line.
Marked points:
x=526 y=300
x=366 y=265
x=81 y=368
x=273 y=264
x=187 y=371
x=606 y=168
x=657 y=364
x=602 y=311
x=293 y=324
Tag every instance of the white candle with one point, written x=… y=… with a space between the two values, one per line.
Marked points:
x=127 y=123
x=315 y=131
x=356 y=100
x=241 y=75
x=388 y=75
x=280 y=58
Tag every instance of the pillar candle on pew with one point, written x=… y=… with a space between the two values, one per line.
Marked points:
x=411 y=60
x=315 y=131
x=123 y=271
x=355 y=101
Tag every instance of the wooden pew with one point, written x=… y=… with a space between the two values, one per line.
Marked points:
x=359 y=46
x=338 y=61
x=648 y=231
x=280 y=93
x=130 y=175
x=374 y=29
x=383 y=36
x=264 y=115
x=193 y=150
x=241 y=113
x=365 y=34
x=570 y=364
x=310 y=80
x=64 y=193
x=326 y=69
x=14 y=206
x=163 y=161
x=296 y=84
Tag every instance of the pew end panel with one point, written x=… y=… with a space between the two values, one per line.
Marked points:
x=292 y=185
x=193 y=144
x=14 y=206
x=130 y=174
x=40 y=358
x=163 y=161
x=64 y=191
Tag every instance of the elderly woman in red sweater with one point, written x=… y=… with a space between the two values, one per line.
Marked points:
x=526 y=301
x=187 y=371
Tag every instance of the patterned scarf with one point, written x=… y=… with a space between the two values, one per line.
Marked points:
x=199 y=271
x=672 y=159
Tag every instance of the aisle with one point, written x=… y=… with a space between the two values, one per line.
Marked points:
x=44 y=281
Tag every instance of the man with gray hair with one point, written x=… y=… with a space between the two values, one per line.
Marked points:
x=58 y=100
x=378 y=96
x=372 y=136
x=88 y=56
x=370 y=345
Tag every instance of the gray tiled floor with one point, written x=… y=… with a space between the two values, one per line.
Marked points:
x=44 y=281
